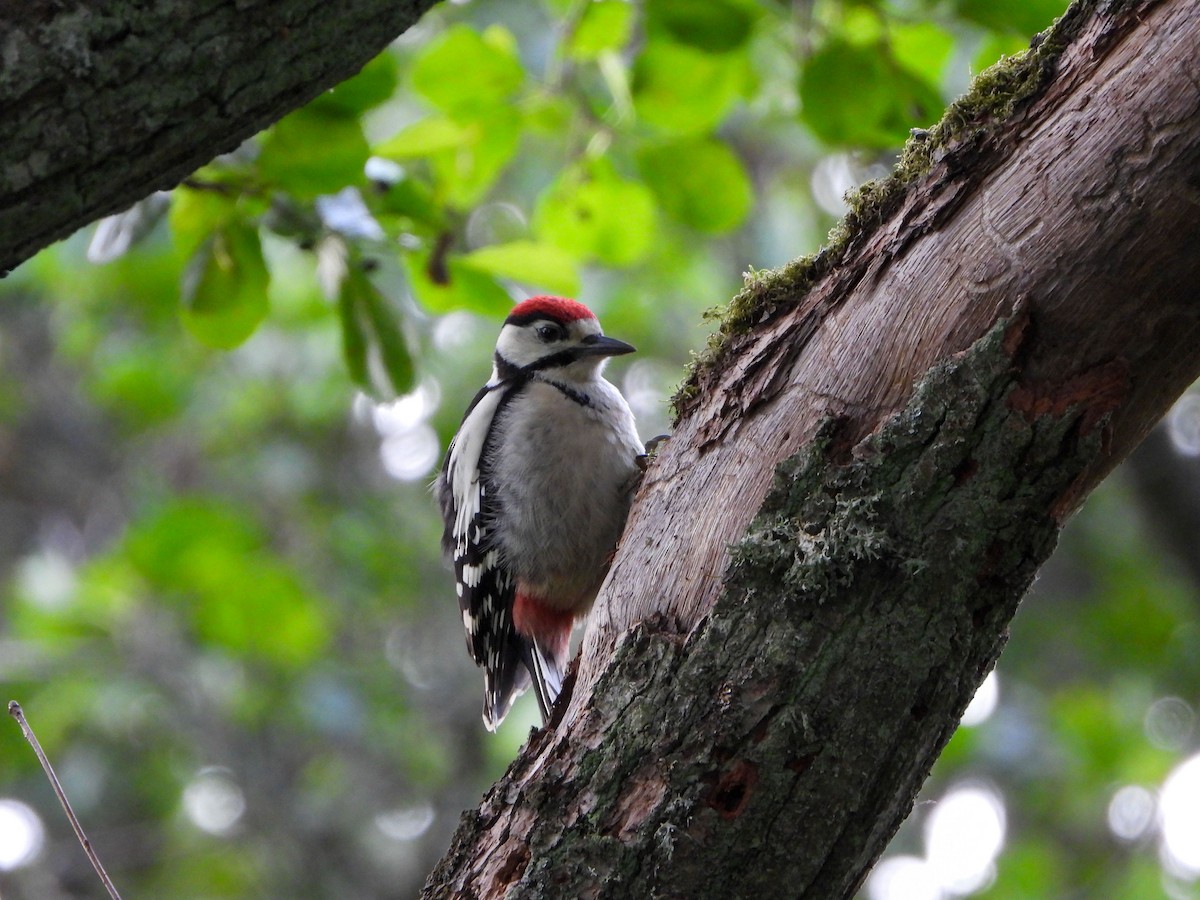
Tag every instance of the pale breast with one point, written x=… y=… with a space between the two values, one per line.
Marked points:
x=562 y=486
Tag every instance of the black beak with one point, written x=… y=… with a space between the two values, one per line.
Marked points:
x=601 y=345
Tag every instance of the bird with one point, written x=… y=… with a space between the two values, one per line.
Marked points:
x=534 y=492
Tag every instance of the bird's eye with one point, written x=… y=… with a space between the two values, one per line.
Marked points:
x=549 y=333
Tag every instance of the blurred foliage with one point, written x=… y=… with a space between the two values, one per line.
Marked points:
x=223 y=604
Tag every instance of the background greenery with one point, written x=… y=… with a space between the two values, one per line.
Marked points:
x=223 y=606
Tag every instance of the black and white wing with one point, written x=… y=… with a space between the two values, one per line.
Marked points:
x=486 y=588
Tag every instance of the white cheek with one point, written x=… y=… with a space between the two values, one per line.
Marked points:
x=519 y=346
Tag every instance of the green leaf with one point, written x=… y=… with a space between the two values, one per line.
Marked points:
x=427 y=137
x=859 y=24
x=394 y=355
x=1024 y=16
x=465 y=74
x=698 y=181
x=923 y=49
x=445 y=285
x=467 y=156
x=684 y=90
x=355 y=341
x=547 y=113
x=143 y=386
x=843 y=94
x=857 y=96
x=212 y=564
x=714 y=26
x=195 y=215
x=312 y=152
x=224 y=288
x=593 y=213
x=605 y=25
x=464 y=175
x=373 y=85
x=530 y=262
x=409 y=199
x=373 y=345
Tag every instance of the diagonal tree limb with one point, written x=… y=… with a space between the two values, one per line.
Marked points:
x=867 y=473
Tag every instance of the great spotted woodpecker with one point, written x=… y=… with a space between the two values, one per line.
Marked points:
x=534 y=493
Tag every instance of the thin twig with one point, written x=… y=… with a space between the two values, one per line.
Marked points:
x=14 y=710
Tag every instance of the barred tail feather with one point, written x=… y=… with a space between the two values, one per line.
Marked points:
x=505 y=681
x=524 y=662
x=547 y=679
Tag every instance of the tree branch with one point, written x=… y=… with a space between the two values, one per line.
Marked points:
x=889 y=438
x=105 y=104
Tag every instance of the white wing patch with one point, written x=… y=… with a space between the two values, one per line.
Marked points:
x=486 y=589
x=463 y=470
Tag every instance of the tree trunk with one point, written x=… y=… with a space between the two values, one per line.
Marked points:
x=868 y=470
x=106 y=103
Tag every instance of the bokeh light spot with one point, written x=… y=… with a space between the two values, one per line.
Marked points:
x=983 y=704
x=47 y=579
x=903 y=878
x=1183 y=425
x=406 y=824
x=1131 y=812
x=1168 y=723
x=1180 y=808
x=455 y=331
x=22 y=835
x=213 y=801
x=963 y=836
x=407 y=411
x=410 y=455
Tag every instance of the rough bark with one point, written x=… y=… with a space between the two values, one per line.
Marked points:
x=106 y=103
x=821 y=565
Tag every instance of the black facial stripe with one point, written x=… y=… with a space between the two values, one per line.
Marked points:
x=569 y=392
x=505 y=370
x=561 y=358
